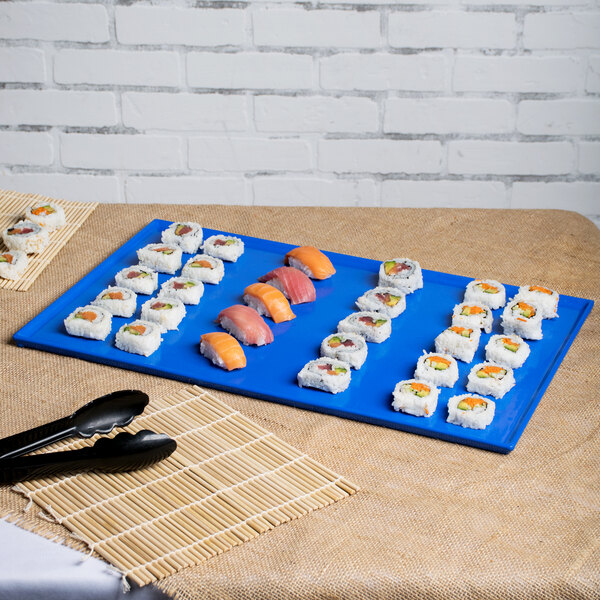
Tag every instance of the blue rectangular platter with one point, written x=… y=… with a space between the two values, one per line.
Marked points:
x=271 y=370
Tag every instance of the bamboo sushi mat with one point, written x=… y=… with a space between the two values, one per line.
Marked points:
x=12 y=209
x=228 y=481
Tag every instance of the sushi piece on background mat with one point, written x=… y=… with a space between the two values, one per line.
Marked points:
x=225 y=247
x=471 y=411
x=349 y=347
x=164 y=258
x=473 y=316
x=459 y=342
x=327 y=374
x=523 y=319
x=295 y=285
x=139 y=279
x=507 y=350
x=546 y=300
x=13 y=264
x=245 y=324
x=437 y=368
x=188 y=236
x=489 y=292
x=26 y=236
x=268 y=300
x=415 y=397
x=166 y=311
x=47 y=214
x=490 y=379
x=189 y=291
x=311 y=261
x=402 y=274
x=388 y=301
x=205 y=268
x=139 y=337
x=118 y=301
x=90 y=322
x=223 y=350
x=372 y=326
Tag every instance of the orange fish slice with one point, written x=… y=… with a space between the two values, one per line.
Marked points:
x=226 y=347
x=274 y=302
x=319 y=265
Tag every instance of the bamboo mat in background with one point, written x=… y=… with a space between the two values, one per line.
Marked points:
x=12 y=209
x=228 y=481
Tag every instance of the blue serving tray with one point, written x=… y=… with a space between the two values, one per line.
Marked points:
x=271 y=370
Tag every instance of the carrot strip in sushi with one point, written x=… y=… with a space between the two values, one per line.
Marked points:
x=294 y=284
x=246 y=325
x=223 y=349
x=311 y=261
x=267 y=300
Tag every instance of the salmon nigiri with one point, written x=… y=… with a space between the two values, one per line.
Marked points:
x=294 y=284
x=311 y=261
x=267 y=300
x=246 y=325
x=223 y=349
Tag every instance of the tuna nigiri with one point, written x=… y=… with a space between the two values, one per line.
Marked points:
x=267 y=300
x=223 y=350
x=294 y=284
x=311 y=261
x=246 y=325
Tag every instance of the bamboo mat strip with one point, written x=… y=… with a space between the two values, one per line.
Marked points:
x=12 y=209
x=228 y=481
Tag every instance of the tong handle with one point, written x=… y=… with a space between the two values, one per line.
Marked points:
x=36 y=438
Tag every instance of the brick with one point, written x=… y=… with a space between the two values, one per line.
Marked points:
x=184 y=112
x=562 y=30
x=580 y=196
x=516 y=74
x=117 y=67
x=249 y=154
x=324 y=28
x=589 y=160
x=288 y=191
x=448 y=115
x=186 y=190
x=54 y=107
x=379 y=71
x=592 y=83
x=22 y=65
x=25 y=148
x=455 y=194
x=452 y=29
x=555 y=117
x=510 y=158
x=53 y=21
x=379 y=156
x=315 y=113
x=249 y=70
x=184 y=26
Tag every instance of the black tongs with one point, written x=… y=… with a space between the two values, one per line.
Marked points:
x=124 y=452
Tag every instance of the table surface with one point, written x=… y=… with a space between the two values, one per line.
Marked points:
x=433 y=519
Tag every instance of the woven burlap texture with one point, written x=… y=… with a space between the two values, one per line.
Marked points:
x=433 y=519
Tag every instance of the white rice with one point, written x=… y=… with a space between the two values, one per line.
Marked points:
x=374 y=300
x=212 y=274
x=407 y=281
x=168 y=317
x=354 y=355
x=496 y=352
x=460 y=347
x=209 y=352
x=407 y=401
x=152 y=256
x=483 y=320
x=189 y=294
x=440 y=377
x=144 y=344
x=313 y=376
x=487 y=292
x=547 y=303
x=145 y=283
x=98 y=329
x=372 y=333
x=298 y=264
x=33 y=242
x=119 y=308
x=477 y=418
x=257 y=304
x=50 y=222
x=188 y=242
x=493 y=385
x=529 y=328
x=13 y=264
x=229 y=251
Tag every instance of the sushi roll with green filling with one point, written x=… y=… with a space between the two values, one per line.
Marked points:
x=523 y=319
x=187 y=290
x=166 y=311
x=507 y=350
x=90 y=322
x=139 y=337
x=388 y=301
x=486 y=292
x=205 y=268
x=490 y=379
x=26 y=236
x=372 y=326
x=349 y=347
x=13 y=264
x=437 y=368
x=415 y=397
x=164 y=258
x=459 y=342
x=118 y=301
x=188 y=236
x=473 y=316
x=47 y=214
x=546 y=300
x=328 y=374
x=402 y=274
x=468 y=410
x=138 y=279
x=225 y=247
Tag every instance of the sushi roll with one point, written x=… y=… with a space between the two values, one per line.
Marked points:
x=269 y=301
x=507 y=350
x=470 y=411
x=523 y=319
x=327 y=374
x=13 y=264
x=415 y=397
x=402 y=274
x=349 y=347
x=437 y=368
x=225 y=247
x=205 y=268
x=459 y=342
x=47 y=214
x=473 y=316
x=166 y=311
x=164 y=258
x=388 y=301
x=188 y=236
x=138 y=279
x=295 y=285
x=546 y=300
x=246 y=325
x=90 y=322
x=311 y=261
x=490 y=379
x=189 y=291
x=26 y=236
x=118 y=301
x=372 y=326
x=223 y=350
x=486 y=292
x=139 y=337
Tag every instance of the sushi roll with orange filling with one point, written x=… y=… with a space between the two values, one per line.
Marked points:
x=223 y=350
x=269 y=301
x=47 y=214
x=468 y=410
x=166 y=311
x=26 y=236
x=437 y=368
x=327 y=374
x=487 y=292
x=507 y=350
x=13 y=264
x=138 y=279
x=388 y=301
x=490 y=379
x=139 y=337
x=90 y=322
x=118 y=301
x=188 y=236
x=205 y=268
x=189 y=291
x=415 y=397
x=546 y=300
x=460 y=342
x=225 y=247
x=373 y=326
x=403 y=274
x=311 y=261
x=349 y=347
x=164 y=258
x=473 y=316
x=523 y=319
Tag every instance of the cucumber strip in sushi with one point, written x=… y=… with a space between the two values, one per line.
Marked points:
x=164 y=258
x=26 y=236
x=188 y=236
x=490 y=379
x=13 y=264
x=90 y=322
x=459 y=342
x=403 y=274
x=470 y=411
x=386 y=300
x=349 y=347
x=507 y=350
x=546 y=300
x=205 y=268
x=225 y=247
x=118 y=301
x=523 y=319
x=437 y=368
x=167 y=311
x=327 y=374
x=473 y=316
x=139 y=337
x=415 y=397
x=138 y=279
x=47 y=214
x=488 y=292
x=189 y=291
x=373 y=326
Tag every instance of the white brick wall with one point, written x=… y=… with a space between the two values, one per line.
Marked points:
x=473 y=103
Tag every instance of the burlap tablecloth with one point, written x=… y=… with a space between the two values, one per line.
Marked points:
x=433 y=519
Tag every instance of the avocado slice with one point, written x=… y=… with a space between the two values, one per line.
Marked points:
x=462 y=405
x=380 y=322
x=340 y=370
x=388 y=265
x=482 y=374
x=3 y=259
x=511 y=347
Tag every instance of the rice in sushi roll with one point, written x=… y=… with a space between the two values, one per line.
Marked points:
x=311 y=261
x=402 y=274
x=188 y=236
x=507 y=350
x=327 y=374
x=138 y=279
x=459 y=342
x=47 y=214
x=546 y=300
x=205 y=268
x=490 y=379
x=189 y=291
x=388 y=301
x=348 y=347
x=90 y=322
x=373 y=326
x=118 y=301
x=523 y=319
x=473 y=316
x=468 y=410
x=13 y=264
x=139 y=337
x=488 y=292
x=245 y=324
x=166 y=311
x=225 y=247
x=164 y=258
x=415 y=397
x=222 y=350
x=437 y=368
x=26 y=236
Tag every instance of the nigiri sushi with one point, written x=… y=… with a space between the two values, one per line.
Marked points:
x=311 y=261
x=246 y=325
x=295 y=285
x=223 y=350
x=268 y=300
